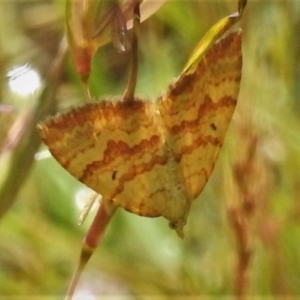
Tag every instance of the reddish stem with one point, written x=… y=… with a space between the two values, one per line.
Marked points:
x=91 y=241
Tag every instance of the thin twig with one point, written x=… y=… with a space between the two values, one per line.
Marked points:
x=22 y=157
x=132 y=80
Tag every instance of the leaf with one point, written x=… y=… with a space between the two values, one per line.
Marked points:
x=214 y=33
x=91 y=24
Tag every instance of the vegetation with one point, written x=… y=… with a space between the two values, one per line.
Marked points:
x=242 y=235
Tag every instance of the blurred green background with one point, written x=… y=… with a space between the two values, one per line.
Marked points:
x=242 y=239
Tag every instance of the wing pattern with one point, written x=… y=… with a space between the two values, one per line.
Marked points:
x=153 y=159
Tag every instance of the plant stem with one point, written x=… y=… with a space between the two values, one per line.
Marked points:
x=132 y=80
x=22 y=157
x=91 y=241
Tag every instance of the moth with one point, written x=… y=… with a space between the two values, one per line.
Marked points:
x=153 y=159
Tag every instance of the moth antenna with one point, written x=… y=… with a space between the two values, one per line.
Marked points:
x=91 y=241
x=129 y=93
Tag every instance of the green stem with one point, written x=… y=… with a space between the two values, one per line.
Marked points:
x=22 y=157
